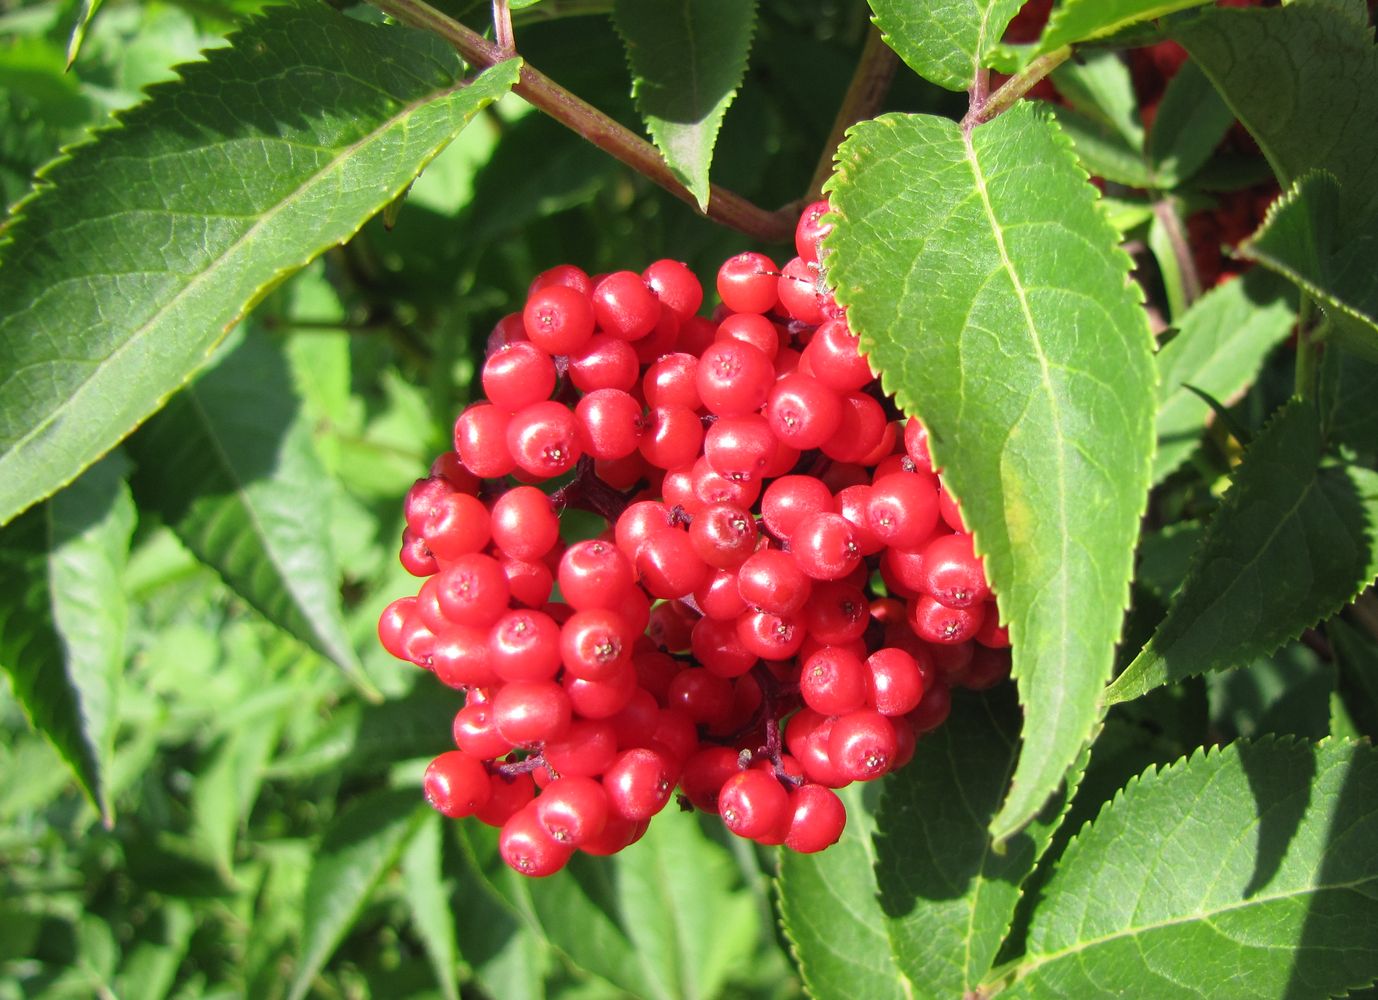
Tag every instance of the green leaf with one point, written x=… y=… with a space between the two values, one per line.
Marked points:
x=986 y=286
x=1305 y=239
x=1098 y=84
x=665 y=918
x=1292 y=543
x=1192 y=118
x=84 y=17
x=1246 y=872
x=832 y=915
x=63 y=617
x=1356 y=656
x=1303 y=78
x=142 y=247
x=230 y=465
x=948 y=896
x=225 y=790
x=357 y=849
x=688 y=58
x=424 y=883
x=1219 y=349
x=1349 y=402
x=1084 y=20
x=1102 y=150
x=945 y=41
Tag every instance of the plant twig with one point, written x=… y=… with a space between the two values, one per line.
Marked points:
x=1014 y=88
x=545 y=94
x=502 y=27
x=875 y=70
x=1165 y=211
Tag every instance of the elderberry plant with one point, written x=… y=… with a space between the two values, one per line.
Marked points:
x=886 y=496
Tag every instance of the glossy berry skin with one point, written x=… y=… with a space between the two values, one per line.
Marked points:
x=934 y=622
x=734 y=378
x=723 y=535
x=752 y=803
x=803 y=412
x=952 y=573
x=527 y=847
x=456 y=784
x=824 y=546
x=572 y=810
x=604 y=362
x=624 y=307
x=609 y=423
x=862 y=744
x=811 y=230
x=894 y=682
x=833 y=681
x=524 y=645
x=817 y=819
x=747 y=283
x=518 y=375
x=675 y=286
x=594 y=574
x=543 y=439
x=524 y=523
x=639 y=782
x=772 y=580
x=903 y=509
x=529 y=712
x=558 y=319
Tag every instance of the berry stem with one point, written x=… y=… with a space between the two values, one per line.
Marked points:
x=875 y=70
x=537 y=89
x=587 y=492
x=502 y=28
x=509 y=770
x=1013 y=89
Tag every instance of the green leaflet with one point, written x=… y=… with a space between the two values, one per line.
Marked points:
x=1083 y=20
x=1192 y=119
x=1223 y=339
x=142 y=247
x=1282 y=899
x=1293 y=542
x=832 y=915
x=423 y=879
x=947 y=894
x=63 y=615
x=1305 y=239
x=688 y=58
x=946 y=41
x=358 y=848
x=230 y=465
x=987 y=287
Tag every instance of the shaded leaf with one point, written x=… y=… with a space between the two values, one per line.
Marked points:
x=1084 y=20
x=945 y=41
x=1282 y=833
x=1098 y=85
x=63 y=617
x=688 y=58
x=1293 y=541
x=1102 y=149
x=1305 y=240
x=1192 y=118
x=1219 y=349
x=947 y=895
x=832 y=915
x=230 y=465
x=424 y=883
x=357 y=849
x=1349 y=401
x=1006 y=320
x=665 y=918
x=142 y=247
x=1356 y=656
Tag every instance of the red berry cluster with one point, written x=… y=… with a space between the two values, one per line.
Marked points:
x=778 y=600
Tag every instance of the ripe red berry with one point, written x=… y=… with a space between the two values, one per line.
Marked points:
x=456 y=784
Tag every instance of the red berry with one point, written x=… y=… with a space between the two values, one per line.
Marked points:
x=456 y=784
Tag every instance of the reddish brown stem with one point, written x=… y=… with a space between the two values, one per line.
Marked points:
x=543 y=93
x=875 y=71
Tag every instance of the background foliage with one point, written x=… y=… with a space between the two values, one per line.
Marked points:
x=212 y=769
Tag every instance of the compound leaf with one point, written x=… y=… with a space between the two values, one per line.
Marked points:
x=947 y=895
x=1084 y=20
x=141 y=248
x=1248 y=871
x=1223 y=339
x=688 y=58
x=1304 y=239
x=987 y=288
x=833 y=918
x=230 y=465
x=945 y=41
x=1295 y=540
x=63 y=616
x=357 y=849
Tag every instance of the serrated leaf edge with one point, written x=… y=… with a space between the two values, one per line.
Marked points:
x=1154 y=774
x=1230 y=499
x=729 y=99
x=901 y=398
x=15 y=225
x=1249 y=250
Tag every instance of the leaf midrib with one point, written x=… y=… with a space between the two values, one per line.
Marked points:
x=138 y=335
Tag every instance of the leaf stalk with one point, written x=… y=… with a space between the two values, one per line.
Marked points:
x=1013 y=89
x=543 y=93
